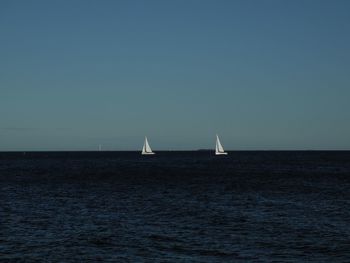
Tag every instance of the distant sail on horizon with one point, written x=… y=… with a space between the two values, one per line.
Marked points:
x=146 y=149
x=219 y=150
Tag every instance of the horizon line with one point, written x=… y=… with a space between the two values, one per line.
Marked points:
x=195 y=150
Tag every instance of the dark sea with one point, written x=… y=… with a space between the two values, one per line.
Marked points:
x=263 y=206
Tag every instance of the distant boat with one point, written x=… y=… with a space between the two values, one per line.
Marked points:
x=219 y=150
x=146 y=149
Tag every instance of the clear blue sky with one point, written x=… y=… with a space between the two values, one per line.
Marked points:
x=262 y=74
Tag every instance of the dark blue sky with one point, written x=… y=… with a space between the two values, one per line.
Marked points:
x=262 y=74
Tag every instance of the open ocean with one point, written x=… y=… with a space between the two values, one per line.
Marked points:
x=249 y=206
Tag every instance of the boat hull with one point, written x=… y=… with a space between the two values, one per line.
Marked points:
x=147 y=153
x=223 y=153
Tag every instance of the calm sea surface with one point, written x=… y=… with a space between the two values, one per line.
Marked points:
x=175 y=207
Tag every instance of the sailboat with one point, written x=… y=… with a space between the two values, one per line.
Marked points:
x=146 y=149
x=219 y=150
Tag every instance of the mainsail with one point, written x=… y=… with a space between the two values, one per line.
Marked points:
x=146 y=149
x=219 y=150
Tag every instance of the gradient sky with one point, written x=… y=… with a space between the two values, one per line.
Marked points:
x=262 y=74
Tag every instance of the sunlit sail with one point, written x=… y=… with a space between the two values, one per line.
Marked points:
x=219 y=150
x=146 y=149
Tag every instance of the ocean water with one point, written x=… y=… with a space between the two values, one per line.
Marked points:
x=175 y=207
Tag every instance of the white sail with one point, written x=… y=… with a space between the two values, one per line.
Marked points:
x=219 y=150
x=146 y=149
